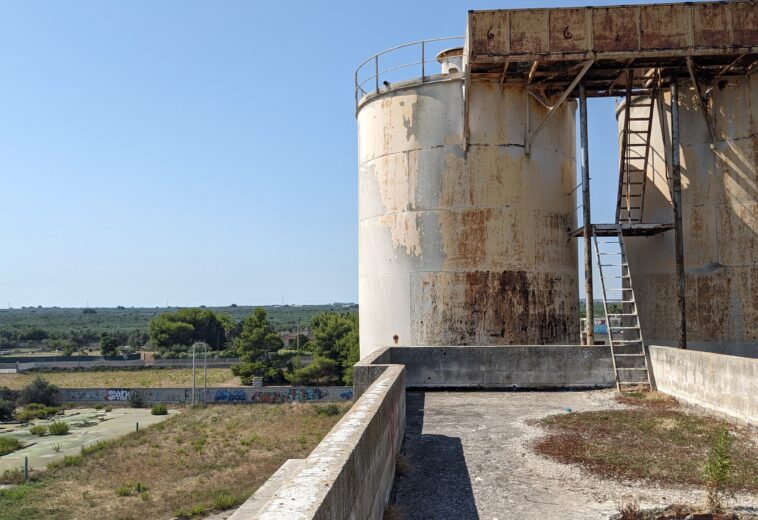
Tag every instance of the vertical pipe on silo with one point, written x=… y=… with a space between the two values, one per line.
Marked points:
x=676 y=188
x=589 y=300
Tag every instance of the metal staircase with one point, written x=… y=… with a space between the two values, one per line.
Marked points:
x=624 y=332
x=634 y=153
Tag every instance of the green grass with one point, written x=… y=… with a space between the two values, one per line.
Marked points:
x=8 y=444
x=58 y=428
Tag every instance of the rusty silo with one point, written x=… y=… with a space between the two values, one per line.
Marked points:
x=720 y=221
x=464 y=244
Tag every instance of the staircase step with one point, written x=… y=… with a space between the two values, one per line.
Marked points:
x=629 y=355
x=635 y=369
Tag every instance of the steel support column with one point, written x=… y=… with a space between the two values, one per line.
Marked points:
x=676 y=188
x=589 y=298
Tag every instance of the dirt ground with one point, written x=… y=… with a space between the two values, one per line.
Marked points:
x=470 y=455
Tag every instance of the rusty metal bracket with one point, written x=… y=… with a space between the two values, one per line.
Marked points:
x=701 y=101
x=531 y=135
x=466 y=101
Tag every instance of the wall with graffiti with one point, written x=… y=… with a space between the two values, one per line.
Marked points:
x=246 y=394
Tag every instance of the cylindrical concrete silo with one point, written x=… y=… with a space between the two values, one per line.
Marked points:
x=464 y=247
x=720 y=224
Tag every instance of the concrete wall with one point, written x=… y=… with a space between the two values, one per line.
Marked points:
x=720 y=223
x=349 y=475
x=725 y=385
x=245 y=394
x=530 y=366
x=465 y=246
x=74 y=363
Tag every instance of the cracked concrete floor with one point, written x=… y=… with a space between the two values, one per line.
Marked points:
x=466 y=456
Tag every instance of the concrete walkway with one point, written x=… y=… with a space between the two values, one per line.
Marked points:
x=87 y=427
x=467 y=456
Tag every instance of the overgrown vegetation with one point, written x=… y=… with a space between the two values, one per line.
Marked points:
x=58 y=428
x=8 y=444
x=655 y=441
x=159 y=409
x=717 y=470
x=35 y=411
x=40 y=430
x=218 y=473
x=39 y=391
x=123 y=378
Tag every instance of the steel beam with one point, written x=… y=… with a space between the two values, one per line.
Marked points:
x=566 y=93
x=587 y=218
x=676 y=188
x=701 y=100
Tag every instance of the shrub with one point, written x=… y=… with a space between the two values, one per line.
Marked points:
x=159 y=409
x=328 y=410
x=94 y=447
x=6 y=410
x=12 y=476
x=223 y=501
x=99 y=406
x=39 y=430
x=136 y=400
x=59 y=428
x=35 y=411
x=8 y=444
x=72 y=460
x=323 y=371
x=131 y=488
x=56 y=447
x=38 y=391
x=717 y=470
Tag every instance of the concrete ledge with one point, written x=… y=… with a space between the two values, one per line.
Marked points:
x=724 y=385
x=255 y=503
x=349 y=475
x=518 y=366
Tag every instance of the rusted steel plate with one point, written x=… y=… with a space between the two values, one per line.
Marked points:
x=614 y=29
x=568 y=30
x=745 y=19
x=710 y=25
x=652 y=31
x=664 y=26
x=529 y=31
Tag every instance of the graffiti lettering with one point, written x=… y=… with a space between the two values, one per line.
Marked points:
x=230 y=396
x=117 y=395
x=289 y=394
x=347 y=395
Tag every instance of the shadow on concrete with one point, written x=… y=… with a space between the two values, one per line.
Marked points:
x=432 y=481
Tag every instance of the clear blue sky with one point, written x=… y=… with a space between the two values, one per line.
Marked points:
x=198 y=152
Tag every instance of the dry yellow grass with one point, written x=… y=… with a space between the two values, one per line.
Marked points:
x=144 y=378
x=204 y=459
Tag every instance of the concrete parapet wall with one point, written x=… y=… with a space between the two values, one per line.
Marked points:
x=349 y=475
x=244 y=394
x=725 y=385
x=528 y=366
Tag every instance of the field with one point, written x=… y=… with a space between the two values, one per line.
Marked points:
x=201 y=460
x=143 y=378
x=58 y=321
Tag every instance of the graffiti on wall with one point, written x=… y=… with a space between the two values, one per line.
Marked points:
x=346 y=395
x=229 y=396
x=117 y=394
x=287 y=395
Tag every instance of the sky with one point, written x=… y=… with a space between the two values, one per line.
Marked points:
x=199 y=153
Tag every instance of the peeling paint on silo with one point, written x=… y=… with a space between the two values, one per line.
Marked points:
x=720 y=212
x=464 y=248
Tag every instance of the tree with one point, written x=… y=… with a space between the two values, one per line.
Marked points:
x=38 y=391
x=257 y=337
x=335 y=337
x=188 y=326
x=108 y=345
x=257 y=344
